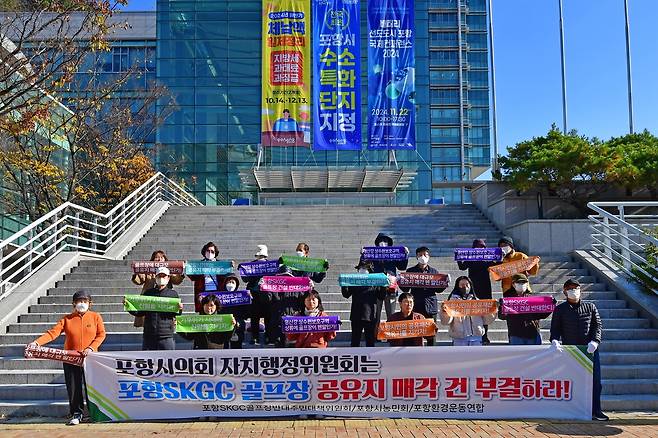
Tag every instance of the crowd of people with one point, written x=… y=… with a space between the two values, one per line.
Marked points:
x=574 y=322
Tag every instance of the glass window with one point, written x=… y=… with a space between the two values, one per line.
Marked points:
x=444 y=155
x=444 y=57
x=445 y=135
x=477 y=40
x=449 y=173
x=443 y=19
x=481 y=156
x=445 y=97
x=444 y=77
x=477 y=5
x=478 y=97
x=478 y=116
x=478 y=59
x=476 y=22
x=443 y=3
x=478 y=78
x=443 y=39
x=478 y=136
x=445 y=116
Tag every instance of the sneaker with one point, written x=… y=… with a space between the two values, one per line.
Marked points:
x=600 y=416
x=253 y=342
x=75 y=420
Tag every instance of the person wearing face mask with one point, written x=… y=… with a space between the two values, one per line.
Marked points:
x=511 y=255
x=283 y=304
x=207 y=283
x=239 y=314
x=465 y=330
x=159 y=327
x=364 y=304
x=85 y=332
x=577 y=322
x=312 y=307
x=261 y=302
x=406 y=313
x=210 y=305
x=425 y=301
x=390 y=268
x=522 y=328
x=478 y=272
x=147 y=281
x=303 y=250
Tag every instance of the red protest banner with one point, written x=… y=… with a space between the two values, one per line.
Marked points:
x=149 y=267
x=414 y=328
x=461 y=308
x=68 y=356
x=508 y=269
x=418 y=279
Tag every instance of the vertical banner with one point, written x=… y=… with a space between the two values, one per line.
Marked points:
x=391 y=75
x=336 y=75
x=286 y=75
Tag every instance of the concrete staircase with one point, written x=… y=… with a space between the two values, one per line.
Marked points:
x=629 y=352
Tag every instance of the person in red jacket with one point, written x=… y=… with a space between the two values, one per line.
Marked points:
x=85 y=332
x=312 y=307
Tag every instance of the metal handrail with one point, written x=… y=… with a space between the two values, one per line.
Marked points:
x=72 y=227
x=624 y=243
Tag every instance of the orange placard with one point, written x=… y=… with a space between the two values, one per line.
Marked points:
x=461 y=308
x=508 y=269
x=413 y=328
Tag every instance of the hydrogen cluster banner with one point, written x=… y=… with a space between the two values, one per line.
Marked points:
x=391 y=75
x=391 y=382
x=336 y=75
x=286 y=76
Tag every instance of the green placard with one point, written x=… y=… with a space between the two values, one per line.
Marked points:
x=145 y=303
x=304 y=264
x=204 y=323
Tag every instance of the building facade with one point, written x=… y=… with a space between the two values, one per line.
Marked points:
x=209 y=56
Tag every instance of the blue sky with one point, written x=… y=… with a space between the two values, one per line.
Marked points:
x=528 y=66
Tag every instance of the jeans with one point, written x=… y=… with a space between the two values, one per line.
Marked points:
x=517 y=340
x=74 y=377
x=596 y=383
x=467 y=341
x=153 y=343
x=368 y=328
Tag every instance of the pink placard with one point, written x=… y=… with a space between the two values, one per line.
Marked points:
x=516 y=305
x=285 y=284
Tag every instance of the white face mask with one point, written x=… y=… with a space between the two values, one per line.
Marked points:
x=383 y=243
x=161 y=281
x=82 y=307
x=301 y=254
x=230 y=286
x=574 y=294
x=363 y=271
x=423 y=260
x=506 y=249
x=210 y=255
x=520 y=287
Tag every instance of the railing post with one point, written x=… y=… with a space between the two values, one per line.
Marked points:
x=606 y=240
x=76 y=232
x=28 y=260
x=624 y=240
x=110 y=233
x=94 y=234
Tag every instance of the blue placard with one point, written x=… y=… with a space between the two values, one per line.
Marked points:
x=391 y=75
x=336 y=75
x=205 y=267
x=375 y=280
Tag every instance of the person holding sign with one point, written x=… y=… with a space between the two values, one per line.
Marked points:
x=511 y=255
x=207 y=283
x=239 y=313
x=303 y=250
x=313 y=308
x=478 y=272
x=576 y=322
x=425 y=301
x=262 y=301
x=364 y=304
x=284 y=304
x=390 y=268
x=406 y=313
x=465 y=328
x=147 y=281
x=85 y=332
x=210 y=305
x=522 y=328
x=159 y=326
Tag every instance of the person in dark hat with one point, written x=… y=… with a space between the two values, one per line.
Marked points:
x=522 y=328
x=510 y=254
x=478 y=272
x=391 y=268
x=577 y=322
x=364 y=304
x=85 y=332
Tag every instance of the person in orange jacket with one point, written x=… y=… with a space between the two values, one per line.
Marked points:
x=312 y=307
x=510 y=254
x=85 y=333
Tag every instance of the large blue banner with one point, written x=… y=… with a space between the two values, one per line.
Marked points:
x=336 y=75
x=391 y=75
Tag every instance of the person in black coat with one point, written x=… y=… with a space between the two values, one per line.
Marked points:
x=210 y=305
x=159 y=327
x=240 y=314
x=522 y=328
x=364 y=304
x=261 y=303
x=283 y=304
x=391 y=268
x=303 y=250
x=478 y=272
x=425 y=301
